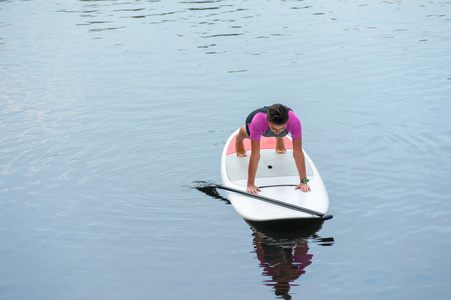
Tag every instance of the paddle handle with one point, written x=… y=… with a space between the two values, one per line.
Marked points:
x=276 y=202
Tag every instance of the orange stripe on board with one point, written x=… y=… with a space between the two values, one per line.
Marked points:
x=265 y=143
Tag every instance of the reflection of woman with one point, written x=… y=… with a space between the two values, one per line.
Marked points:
x=284 y=261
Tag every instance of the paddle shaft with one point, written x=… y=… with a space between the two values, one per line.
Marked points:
x=276 y=202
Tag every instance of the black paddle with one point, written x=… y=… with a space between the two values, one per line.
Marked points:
x=276 y=202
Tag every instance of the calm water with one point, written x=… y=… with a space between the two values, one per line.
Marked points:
x=111 y=111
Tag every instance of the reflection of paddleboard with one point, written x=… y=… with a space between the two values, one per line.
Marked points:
x=277 y=177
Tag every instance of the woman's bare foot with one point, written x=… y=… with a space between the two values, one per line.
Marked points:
x=239 y=147
x=280 y=146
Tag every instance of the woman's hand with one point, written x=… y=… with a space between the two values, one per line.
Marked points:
x=253 y=189
x=304 y=187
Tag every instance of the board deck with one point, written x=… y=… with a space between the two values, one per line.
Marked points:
x=277 y=177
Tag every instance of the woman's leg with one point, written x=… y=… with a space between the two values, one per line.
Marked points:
x=280 y=146
x=239 y=142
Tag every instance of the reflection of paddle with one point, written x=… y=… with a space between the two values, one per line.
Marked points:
x=276 y=202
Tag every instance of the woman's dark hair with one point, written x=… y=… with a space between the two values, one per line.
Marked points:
x=277 y=114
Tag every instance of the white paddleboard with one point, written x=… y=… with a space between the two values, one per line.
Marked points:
x=277 y=177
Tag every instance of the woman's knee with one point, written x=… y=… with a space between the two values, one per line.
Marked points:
x=242 y=134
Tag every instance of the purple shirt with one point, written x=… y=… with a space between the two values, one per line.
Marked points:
x=260 y=124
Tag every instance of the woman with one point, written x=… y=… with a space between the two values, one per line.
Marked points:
x=274 y=121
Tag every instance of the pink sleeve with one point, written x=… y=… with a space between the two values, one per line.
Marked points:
x=294 y=125
x=258 y=126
